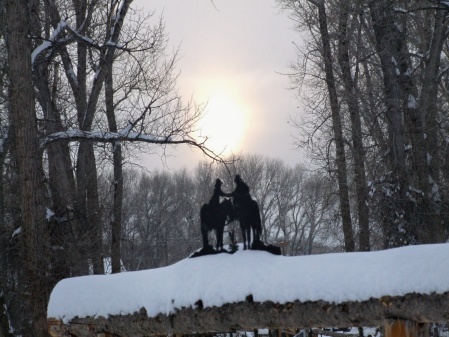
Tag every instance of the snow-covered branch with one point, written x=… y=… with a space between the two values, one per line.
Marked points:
x=126 y=135
x=101 y=136
x=48 y=43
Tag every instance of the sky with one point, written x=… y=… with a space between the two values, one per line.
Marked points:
x=234 y=55
x=359 y=276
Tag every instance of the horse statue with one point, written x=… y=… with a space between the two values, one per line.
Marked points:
x=249 y=218
x=216 y=221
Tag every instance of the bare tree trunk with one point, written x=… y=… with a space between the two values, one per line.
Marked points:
x=354 y=112
x=397 y=227
x=94 y=213
x=89 y=210
x=35 y=241
x=427 y=107
x=4 y=265
x=86 y=113
x=61 y=180
x=116 y=223
x=60 y=175
x=370 y=116
x=337 y=128
x=4 y=321
x=118 y=204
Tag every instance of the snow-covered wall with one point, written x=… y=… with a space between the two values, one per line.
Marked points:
x=226 y=278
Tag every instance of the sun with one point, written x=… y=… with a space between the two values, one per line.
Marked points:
x=223 y=123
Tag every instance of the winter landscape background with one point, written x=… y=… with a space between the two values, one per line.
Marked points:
x=87 y=88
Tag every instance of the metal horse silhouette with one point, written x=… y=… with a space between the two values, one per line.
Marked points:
x=215 y=221
x=249 y=218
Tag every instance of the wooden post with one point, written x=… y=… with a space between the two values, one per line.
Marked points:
x=404 y=328
x=360 y=331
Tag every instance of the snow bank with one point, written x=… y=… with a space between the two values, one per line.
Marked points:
x=225 y=278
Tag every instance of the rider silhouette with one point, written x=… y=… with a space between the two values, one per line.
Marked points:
x=214 y=201
x=241 y=195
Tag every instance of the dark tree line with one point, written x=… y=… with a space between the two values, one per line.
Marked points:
x=373 y=78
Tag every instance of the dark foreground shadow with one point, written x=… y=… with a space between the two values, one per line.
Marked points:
x=256 y=245
x=209 y=250
x=259 y=245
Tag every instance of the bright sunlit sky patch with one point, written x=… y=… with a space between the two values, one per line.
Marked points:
x=226 y=118
x=233 y=55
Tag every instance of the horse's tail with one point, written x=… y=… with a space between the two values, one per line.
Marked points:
x=256 y=215
x=204 y=216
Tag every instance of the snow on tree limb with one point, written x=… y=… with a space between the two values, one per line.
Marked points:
x=126 y=135
x=63 y=25
x=48 y=43
x=107 y=137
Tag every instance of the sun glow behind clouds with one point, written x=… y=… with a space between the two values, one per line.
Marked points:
x=223 y=123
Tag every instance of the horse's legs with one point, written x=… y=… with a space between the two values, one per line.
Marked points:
x=243 y=229
x=248 y=234
x=205 y=238
x=256 y=224
x=256 y=234
x=219 y=232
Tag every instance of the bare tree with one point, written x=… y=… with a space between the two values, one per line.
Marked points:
x=350 y=88
x=59 y=107
x=313 y=15
x=100 y=51
x=388 y=87
x=32 y=190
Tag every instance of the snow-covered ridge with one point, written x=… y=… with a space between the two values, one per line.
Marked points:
x=226 y=278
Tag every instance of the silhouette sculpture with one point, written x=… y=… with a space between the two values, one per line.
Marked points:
x=247 y=212
x=249 y=218
x=215 y=219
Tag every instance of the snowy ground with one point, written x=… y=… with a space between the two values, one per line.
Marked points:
x=226 y=278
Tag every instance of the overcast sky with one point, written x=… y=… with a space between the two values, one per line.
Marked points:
x=239 y=49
